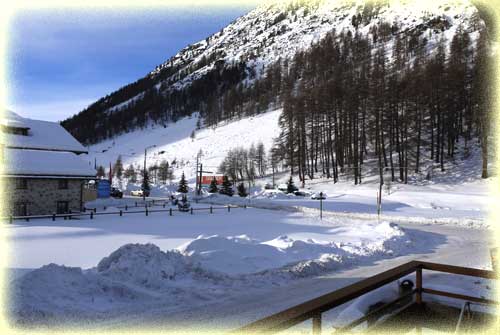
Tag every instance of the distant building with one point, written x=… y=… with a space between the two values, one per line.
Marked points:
x=42 y=171
x=207 y=180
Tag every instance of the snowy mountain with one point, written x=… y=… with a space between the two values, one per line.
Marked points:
x=238 y=55
x=288 y=68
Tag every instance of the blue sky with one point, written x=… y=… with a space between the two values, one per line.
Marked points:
x=61 y=61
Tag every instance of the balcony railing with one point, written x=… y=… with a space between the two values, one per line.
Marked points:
x=313 y=309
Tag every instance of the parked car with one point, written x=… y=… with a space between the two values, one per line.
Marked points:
x=319 y=196
x=116 y=193
x=183 y=204
x=139 y=193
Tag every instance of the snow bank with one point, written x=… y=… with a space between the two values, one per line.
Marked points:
x=207 y=268
x=143 y=265
x=301 y=255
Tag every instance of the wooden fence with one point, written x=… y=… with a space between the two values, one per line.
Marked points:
x=91 y=212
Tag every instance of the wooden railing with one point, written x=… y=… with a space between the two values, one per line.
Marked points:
x=313 y=309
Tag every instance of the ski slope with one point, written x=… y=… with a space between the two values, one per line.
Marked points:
x=174 y=139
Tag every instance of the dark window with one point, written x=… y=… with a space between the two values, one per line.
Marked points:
x=15 y=130
x=21 y=183
x=62 y=207
x=20 y=209
x=63 y=184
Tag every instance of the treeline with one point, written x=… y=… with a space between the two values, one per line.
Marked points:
x=349 y=98
x=245 y=164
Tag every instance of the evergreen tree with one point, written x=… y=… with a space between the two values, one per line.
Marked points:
x=213 y=186
x=227 y=187
x=100 y=172
x=130 y=174
x=145 y=185
x=242 y=191
x=183 y=187
x=118 y=168
x=290 y=186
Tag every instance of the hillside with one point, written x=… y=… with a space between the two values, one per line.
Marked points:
x=398 y=83
x=230 y=61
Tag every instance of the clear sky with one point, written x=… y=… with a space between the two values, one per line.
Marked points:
x=61 y=61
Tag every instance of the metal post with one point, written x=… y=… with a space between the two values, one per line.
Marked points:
x=170 y=211
x=144 y=177
x=126 y=207
x=321 y=205
x=121 y=213
x=91 y=215
x=95 y=210
x=316 y=324
x=210 y=209
x=53 y=216
x=418 y=295
x=146 y=210
x=191 y=210
x=228 y=208
x=10 y=219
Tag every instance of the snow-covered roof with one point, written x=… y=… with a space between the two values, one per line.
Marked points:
x=39 y=163
x=43 y=135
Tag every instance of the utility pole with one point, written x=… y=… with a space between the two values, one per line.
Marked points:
x=196 y=174
x=199 y=182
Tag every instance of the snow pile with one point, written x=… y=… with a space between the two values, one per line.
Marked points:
x=296 y=255
x=145 y=265
x=54 y=291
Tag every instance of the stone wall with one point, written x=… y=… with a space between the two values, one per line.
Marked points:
x=42 y=195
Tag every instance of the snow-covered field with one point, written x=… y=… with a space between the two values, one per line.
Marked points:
x=160 y=266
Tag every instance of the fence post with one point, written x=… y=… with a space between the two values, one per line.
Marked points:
x=126 y=207
x=418 y=296
x=316 y=324
x=53 y=216
x=95 y=210
x=245 y=206
x=170 y=211
x=104 y=207
x=191 y=210
x=91 y=215
x=228 y=208
x=84 y=209
x=163 y=204
x=210 y=209
x=121 y=213
x=136 y=204
x=146 y=210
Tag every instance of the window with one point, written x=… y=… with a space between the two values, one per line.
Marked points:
x=20 y=209
x=15 y=130
x=62 y=207
x=63 y=184
x=21 y=184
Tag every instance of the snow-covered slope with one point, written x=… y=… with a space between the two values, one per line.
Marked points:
x=274 y=31
x=281 y=28
x=176 y=142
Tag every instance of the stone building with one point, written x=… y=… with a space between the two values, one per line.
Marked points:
x=42 y=170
